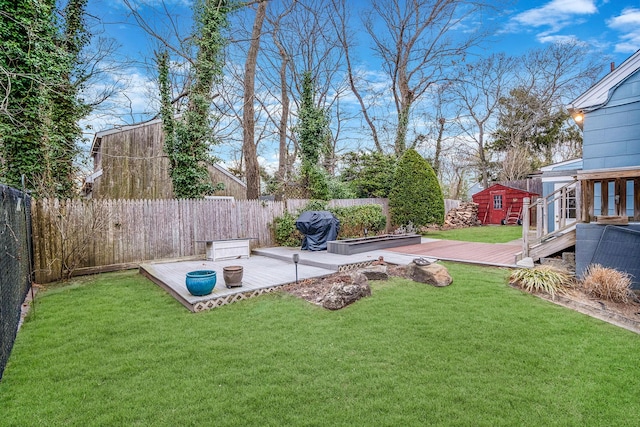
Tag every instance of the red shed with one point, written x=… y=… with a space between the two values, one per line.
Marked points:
x=500 y=204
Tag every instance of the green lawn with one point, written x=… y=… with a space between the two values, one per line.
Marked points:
x=117 y=350
x=485 y=233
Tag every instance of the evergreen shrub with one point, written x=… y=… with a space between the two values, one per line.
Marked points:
x=416 y=196
x=354 y=219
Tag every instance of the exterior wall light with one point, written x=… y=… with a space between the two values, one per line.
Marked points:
x=578 y=118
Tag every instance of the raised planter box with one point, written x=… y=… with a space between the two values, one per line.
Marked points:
x=227 y=249
x=366 y=244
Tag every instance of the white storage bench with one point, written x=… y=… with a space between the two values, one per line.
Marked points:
x=227 y=249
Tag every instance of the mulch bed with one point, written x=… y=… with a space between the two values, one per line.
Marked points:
x=626 y=316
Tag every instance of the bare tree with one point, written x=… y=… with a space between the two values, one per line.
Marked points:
x=533 y=114
x=515 y=165
x=341 y=23
x=297 y=39
x=284 y=159
x=416 y=40
x=249 y=151
x=478 y=89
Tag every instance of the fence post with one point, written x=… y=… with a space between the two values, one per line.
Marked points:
x=525 y=227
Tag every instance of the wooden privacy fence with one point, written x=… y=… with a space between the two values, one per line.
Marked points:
x=87 y=236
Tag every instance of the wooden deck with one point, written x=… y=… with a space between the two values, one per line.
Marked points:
x=493 y=254
x=269 y=268
x=260 y=275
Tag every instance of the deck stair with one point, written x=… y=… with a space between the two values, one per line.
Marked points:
x=551 y=245
x=547 y=243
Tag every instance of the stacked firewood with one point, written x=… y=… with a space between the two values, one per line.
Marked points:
x=465 y=215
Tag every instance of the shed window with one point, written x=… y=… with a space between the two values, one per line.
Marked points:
x=497 y=201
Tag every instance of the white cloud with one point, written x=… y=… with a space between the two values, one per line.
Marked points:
x=543 y=38
x=628 y=24
x=554 y=15
x=132 y=101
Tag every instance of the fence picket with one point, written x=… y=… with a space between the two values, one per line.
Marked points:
x=124 y=232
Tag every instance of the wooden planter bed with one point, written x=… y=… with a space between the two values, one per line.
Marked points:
x=366 y=244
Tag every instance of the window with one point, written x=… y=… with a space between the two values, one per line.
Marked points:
x=612 y=198
x=630 y=197
x=569 y=210
x=497 y=201
x=597 y=198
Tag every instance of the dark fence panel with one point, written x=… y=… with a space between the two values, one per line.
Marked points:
x=16 y=255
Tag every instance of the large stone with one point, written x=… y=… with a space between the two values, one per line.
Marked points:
x=375 y=272
x=432 y=274
x=343 y=294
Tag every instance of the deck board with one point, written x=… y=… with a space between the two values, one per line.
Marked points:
x=493 y=254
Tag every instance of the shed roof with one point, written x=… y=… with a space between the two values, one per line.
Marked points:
x=599 y=94
x=504 y=187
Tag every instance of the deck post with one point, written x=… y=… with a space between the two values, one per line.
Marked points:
x=540 y=221
x=525 y=226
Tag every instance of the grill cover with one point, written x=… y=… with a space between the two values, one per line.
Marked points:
x=318 y=228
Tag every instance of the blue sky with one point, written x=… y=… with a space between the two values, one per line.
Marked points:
x=610 y=27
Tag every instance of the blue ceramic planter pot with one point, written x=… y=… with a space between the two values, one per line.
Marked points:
x=200 y=282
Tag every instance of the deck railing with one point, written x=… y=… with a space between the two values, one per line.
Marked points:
x=566 y=200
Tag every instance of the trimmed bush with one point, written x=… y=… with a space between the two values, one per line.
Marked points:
x=416 y=195
x=286 y=233
x=354 y=219
x=543 y=278
x=369 y=174
x=607 y=283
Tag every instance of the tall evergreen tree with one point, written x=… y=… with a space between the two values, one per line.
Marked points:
x=369 y=174
x=416 y=196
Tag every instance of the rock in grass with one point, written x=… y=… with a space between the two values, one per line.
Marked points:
x=375 y=272
x=432 y=274
x=343 y=294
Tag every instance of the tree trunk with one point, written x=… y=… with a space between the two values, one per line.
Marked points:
x=436 y=158
x=403 y=125
x=249 y=149
x=283 y=158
